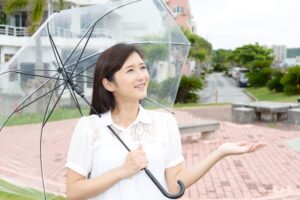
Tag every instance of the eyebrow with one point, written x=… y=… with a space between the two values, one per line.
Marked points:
x=133 y=65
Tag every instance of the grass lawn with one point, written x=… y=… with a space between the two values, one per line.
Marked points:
x=12 y=192
x=60 y=114
x=19 y=119
x=263 y=94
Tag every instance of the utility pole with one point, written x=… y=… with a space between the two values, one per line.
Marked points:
x=50 y=8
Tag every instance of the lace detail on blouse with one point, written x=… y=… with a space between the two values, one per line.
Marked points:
x=139 y=132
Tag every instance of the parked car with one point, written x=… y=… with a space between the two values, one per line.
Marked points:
x=243 y=79
x=235 y=73
x=229 y=72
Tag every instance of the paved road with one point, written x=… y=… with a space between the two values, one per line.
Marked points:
x=222 y=89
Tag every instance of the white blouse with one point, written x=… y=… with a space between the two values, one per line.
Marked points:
x=95 y=150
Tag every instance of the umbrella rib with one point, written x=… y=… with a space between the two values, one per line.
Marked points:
x=83 y=59
x=89 y=37
x=41 y=138
x=45 y=119
x=10 y=71
x=149 y=42
x=48 y=104
x=56 y=54
x=35 y=75
x=66 y=73
x=60 y=95
x=161 y=42
x=84 y=71
x=79 y=73
x=82 y=81
x=39 y=98
x=92 y=28
x=17 y=109
x=75 y=100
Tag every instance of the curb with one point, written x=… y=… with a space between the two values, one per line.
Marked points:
x=249 y=95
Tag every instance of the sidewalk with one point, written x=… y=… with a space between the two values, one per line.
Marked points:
x=271 y=173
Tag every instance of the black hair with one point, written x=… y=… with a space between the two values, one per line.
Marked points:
x=109 y=62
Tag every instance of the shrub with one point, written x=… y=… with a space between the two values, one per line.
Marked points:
x=291 y=81
x=188 y=88
x=275 y=83
x=259 y=78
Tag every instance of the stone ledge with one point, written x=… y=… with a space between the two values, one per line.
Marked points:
x=294 y=116
x=207 y=128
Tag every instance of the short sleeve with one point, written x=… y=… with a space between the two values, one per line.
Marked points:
x=174 y=150
x=79 y=157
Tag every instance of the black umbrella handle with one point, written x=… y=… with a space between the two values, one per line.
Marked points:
x=163 y=191
x=151 y=176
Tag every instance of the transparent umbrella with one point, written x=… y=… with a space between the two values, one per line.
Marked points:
x=52 y=76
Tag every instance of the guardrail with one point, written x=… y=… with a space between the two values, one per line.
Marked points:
x=58 y=32
x=13 y=31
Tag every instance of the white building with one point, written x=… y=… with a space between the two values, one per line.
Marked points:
x=13 y=37
x=280 y=53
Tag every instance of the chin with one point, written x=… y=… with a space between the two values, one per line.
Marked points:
x=143 y=96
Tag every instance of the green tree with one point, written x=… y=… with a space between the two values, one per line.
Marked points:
x=291 y=81
x=35 y=10
x=187 y=89
x=274 y=84
x=249 y=55
x=258 y=59
x=200 y=50
x=35 y=15
x=221 y=59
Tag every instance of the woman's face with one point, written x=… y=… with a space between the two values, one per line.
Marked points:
x=131 y=81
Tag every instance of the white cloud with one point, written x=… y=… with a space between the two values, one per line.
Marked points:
x=232 y=23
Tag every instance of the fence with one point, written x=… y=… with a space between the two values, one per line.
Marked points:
x=13 y=30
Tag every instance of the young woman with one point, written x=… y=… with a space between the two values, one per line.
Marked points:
x=99 y=167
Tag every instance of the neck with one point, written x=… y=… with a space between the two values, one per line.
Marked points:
x=125 y=113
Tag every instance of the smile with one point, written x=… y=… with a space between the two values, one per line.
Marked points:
x=140 y=85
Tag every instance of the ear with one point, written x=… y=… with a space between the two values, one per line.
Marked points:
x=108 y=85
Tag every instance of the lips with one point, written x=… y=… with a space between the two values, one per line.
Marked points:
x=140 y=85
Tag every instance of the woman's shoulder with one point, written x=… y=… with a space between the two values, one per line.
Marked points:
x=89 y=121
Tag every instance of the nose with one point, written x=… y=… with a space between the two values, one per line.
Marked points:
x=141 y=74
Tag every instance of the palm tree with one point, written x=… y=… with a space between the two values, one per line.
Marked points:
x=35 y=15
x=35 y=10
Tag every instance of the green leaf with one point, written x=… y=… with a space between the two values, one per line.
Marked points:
x=38 y=11
x=14 y=5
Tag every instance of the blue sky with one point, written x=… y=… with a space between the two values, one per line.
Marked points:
x=232 y=23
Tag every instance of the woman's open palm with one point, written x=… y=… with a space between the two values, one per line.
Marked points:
x=240 y=147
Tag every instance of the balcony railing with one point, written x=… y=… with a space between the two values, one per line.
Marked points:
x=13 y=31
x=22 y=32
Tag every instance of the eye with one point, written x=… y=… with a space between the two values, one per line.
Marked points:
x=130 y=70
x=143 y=67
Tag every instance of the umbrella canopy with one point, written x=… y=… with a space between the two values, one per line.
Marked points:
x=49 y=74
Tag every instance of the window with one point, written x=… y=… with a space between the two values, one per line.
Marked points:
x=28 y=69
x=7 y=57
x=178 y=9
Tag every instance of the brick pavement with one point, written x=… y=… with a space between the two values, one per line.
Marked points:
x=271 y=173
